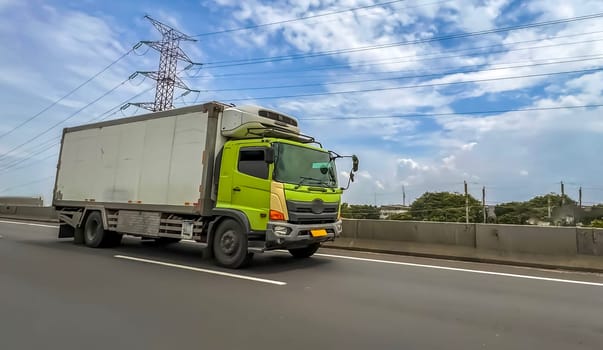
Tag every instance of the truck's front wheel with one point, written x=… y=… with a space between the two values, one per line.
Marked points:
x=305 y=252
x=230 y=245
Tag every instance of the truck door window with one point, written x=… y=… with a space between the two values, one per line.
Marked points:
x=251 y=162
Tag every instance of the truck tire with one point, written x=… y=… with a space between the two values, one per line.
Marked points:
x=305 y=252
x=95 y=235
x=230 y=245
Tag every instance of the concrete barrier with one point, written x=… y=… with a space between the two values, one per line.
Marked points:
x=540 y=246
x=527 y=239
x=28 y=213
x=411 y=231
x=21 y=201
x=590 y=241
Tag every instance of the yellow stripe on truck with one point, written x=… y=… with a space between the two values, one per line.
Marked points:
x=277 y=198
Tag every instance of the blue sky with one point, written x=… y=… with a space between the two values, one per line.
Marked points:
x=50 y=47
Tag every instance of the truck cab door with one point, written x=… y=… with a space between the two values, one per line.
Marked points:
x=251 y=186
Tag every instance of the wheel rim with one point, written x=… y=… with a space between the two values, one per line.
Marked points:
x=229 y=242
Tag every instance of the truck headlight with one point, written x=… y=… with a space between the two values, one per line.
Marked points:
x=281 y=230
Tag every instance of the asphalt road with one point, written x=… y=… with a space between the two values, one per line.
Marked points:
x=56 y=295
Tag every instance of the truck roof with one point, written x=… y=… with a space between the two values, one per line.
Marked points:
x=152 y=115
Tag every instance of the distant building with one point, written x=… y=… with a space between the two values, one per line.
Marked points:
x=571 y=214
x=386 y=211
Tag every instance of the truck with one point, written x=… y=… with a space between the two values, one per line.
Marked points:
x=237 y=180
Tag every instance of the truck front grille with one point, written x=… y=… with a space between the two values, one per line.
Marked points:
x=315 y=212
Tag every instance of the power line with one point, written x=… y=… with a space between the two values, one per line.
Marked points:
x=26 y=184
x=259 y=60
x=415 y=86
x=37 y=149
x=442 y=74
x=5 y=154
x=413 y=57
x=305 y=18
x=67 y=95
x=34 y=163
x=421 y=115
x=103 y=116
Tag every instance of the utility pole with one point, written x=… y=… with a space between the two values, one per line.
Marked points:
x=562 y=194
x=549 y=205
x=484 y=202
x=580 y=196
x=466 y=203
x=166 y=76
x=403 y=196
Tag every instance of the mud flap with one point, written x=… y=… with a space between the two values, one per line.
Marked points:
x=66 y=231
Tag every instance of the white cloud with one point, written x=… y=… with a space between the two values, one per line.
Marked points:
x=468 y=146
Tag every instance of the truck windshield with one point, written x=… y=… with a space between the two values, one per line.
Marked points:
x=303 y=166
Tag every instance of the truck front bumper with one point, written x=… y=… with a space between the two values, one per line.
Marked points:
x=283 y=235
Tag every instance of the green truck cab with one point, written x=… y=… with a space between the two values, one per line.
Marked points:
x=287 y=191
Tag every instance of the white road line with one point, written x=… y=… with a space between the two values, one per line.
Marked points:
x=462 y=270
x=191 y=268
x=27 y=223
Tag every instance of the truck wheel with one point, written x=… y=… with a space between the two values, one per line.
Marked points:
x=95 y=235
x=230 y=245
x=305 y=252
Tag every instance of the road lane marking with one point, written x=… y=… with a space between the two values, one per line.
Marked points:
x=461 y=270
x=27 y=223
x=213 y=272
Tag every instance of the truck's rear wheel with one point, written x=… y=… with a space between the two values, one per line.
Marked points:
x=305 y=252
x=96 y=236
x=230 y=245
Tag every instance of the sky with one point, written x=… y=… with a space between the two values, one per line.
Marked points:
x=502 y=94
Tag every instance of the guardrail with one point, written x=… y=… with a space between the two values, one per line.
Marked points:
x=542 y=246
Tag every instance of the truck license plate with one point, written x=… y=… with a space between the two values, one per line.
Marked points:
x=318 y=233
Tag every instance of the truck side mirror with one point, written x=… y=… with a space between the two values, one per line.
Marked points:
x=269 y=155
x=354 y=164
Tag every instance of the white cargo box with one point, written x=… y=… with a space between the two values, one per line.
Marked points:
x=160 y=160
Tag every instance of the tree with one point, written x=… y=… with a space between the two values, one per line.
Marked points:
x=359 y=211
x=400 y=216
x=445 y=207
x=519 y=213
x=597 y=223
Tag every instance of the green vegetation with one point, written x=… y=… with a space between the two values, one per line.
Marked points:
x=597 y=223
x=450 y=207
x=519 y=213
x=401 y=216
x=443 y=206
x=359 y=211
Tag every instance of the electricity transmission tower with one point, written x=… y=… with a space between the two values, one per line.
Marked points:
x=166 y=76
